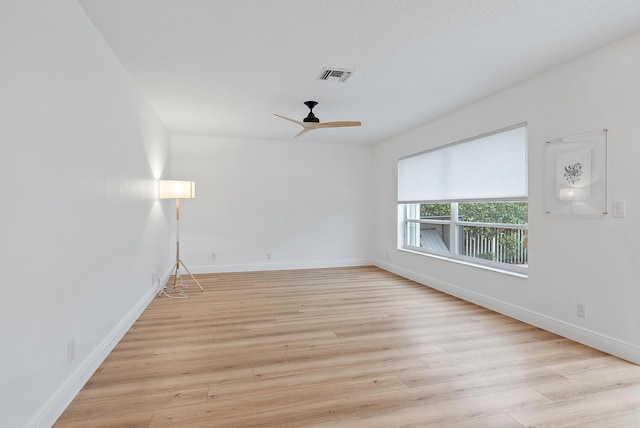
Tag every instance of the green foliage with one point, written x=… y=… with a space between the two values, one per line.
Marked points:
x=435 y=210
x=493 y=212
x=510 y=243
x=487 y=256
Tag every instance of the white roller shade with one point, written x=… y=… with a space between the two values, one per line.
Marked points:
x=489 y=167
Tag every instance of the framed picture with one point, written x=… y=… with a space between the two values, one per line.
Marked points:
x=576 y=174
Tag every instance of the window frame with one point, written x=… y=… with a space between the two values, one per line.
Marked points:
x=456 y=226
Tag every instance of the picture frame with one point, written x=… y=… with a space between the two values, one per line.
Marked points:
x=576 y=174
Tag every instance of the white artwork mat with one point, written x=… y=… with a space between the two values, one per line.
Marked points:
x=576 y=174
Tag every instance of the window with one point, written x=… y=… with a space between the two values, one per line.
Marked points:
x=468 y=200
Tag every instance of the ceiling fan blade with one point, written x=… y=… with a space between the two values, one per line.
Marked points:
x=337 y=124
x=290 y=120
x=304 y=131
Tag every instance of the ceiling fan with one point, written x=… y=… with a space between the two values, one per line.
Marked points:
x=311 y=122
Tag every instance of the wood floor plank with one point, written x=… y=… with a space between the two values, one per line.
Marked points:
x=276 y=417
x=600 y=406
x=132 y=404
x=453 y=411
x=503 y=364
x=501 y=420
x=628 y=420
x=333 y=378
x=520 y=352
x=380 y=402
x=587 y=367
x=571 y=388
x=133 y=420
x=98 y=389
x=282 y=393
x=346 y=347
x=314 y=364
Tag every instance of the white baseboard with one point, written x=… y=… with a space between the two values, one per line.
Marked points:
x=58 y=402
x=610 y=345
x=274 y=265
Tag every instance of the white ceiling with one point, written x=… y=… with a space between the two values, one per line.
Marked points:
x=223 y=67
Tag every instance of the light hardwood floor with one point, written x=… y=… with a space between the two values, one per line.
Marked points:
x=348 y=347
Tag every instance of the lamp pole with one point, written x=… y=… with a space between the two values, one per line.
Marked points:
x=178 y=261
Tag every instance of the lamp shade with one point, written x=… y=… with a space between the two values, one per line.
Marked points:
x=177 y=189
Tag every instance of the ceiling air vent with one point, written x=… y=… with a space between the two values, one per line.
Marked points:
x=334 y=74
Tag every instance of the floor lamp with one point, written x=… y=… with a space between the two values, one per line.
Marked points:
x=178 y=189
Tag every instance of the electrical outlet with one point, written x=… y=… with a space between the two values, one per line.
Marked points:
x=71 y=351
x=213 y=256
x=581 y=310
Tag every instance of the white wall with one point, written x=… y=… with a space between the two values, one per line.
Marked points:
x=590 y=260
x=306 y=204
x=81 y=229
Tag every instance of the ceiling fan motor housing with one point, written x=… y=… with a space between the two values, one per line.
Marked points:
x=311 y=117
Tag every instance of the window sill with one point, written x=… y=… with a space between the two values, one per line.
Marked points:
x=466 y=263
